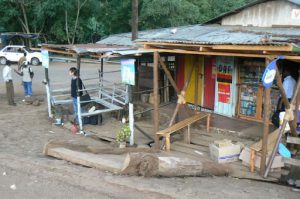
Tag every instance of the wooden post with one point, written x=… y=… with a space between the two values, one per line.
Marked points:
x=196 y=85
x=282 y=129
x=252 y=160
x=155 y=97
x=184 y=89
x=173 y=83
x=264 y=150
x=285 y=101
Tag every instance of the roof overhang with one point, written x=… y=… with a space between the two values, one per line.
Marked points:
x=290 y=51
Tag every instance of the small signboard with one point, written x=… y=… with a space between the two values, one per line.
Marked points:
x=45 y=58
x=270 y=73
x=128 y=71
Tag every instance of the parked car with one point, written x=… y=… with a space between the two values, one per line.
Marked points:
x=14 y=53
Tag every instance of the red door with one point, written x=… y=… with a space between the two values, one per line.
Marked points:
x=209 y=82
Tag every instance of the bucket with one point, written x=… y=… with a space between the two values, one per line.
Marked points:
x=281 y=117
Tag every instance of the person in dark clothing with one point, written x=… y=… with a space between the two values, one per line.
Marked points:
x=76 y=84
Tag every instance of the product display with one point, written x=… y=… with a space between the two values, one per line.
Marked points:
x=251 y=91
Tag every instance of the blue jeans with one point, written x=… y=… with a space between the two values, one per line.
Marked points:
x=75 y=108
x=27 y=88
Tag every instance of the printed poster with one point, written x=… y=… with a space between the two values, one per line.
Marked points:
x=128 y=71
x=224 y=92
x=225 y=67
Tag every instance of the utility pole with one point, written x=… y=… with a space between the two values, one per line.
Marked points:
x=134 y=19
x=134 y=30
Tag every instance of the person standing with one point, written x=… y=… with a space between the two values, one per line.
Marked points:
x=76 y=84
x=27 y=74
x=22 y=60
x=289 y=83
x=7 y=77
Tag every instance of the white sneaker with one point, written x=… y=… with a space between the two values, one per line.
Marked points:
x=80 y=133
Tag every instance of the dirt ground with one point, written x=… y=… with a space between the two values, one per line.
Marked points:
x=25 y=129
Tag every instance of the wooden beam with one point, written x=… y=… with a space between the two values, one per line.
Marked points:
x=287 y=48
x=184 y=89
x=172 y=44
x=285 y=100
x=291 y=161
x=155 y=97
x=169 y=76
x=288 y=57
x=60 y=51
x=265 y=136
x=202 y=48
x=293 y=140
x=208 y=53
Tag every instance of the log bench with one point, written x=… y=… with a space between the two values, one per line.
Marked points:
x=166 y=133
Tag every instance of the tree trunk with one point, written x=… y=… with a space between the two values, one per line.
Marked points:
x=79 y=6
x=66 y=27
x=143 y=164
x=134 y=19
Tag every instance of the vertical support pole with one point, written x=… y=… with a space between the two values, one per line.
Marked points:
x=78 y=61
x=187 y=135
x=252 y=161
x=196 y=84
x=264 y=151
x=208 y=123
x=155 y=98
x=131 y=123
x=101 y=77
x=47 y=85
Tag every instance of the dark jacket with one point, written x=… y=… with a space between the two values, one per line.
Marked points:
x=74 y=87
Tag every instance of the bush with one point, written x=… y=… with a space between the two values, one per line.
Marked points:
x=123 y=134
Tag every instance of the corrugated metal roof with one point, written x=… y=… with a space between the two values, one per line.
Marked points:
x=88 y=48
x=213 y=34
x=218 y=18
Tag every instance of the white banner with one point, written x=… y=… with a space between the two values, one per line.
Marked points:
x=45 y=58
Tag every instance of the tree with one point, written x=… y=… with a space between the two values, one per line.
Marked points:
x=81 y=21
x=167 y=13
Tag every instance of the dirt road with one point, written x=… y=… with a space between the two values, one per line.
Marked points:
x=25 y=129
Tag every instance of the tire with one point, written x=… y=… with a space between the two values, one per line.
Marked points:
x=3 y=60
x=35 y=61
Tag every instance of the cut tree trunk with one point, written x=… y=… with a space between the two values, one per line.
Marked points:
x=142 y=164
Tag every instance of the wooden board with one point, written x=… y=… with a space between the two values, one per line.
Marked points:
x=112 y=163
x=271 y=141
x=293 y=140
x=184 y=123
x=291 y=161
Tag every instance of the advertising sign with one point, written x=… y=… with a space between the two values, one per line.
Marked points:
x=45 y=58
x=128 y=71
x=224 y=92
x=270 y=73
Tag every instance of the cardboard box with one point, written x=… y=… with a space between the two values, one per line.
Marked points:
x=225 y=153
x=245 y=157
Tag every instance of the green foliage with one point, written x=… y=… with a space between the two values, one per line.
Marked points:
x=99 y=18
x=166 y=13
x=123 y=134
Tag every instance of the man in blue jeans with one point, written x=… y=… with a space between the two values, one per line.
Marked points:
x=27 y=74
x=75 y=84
